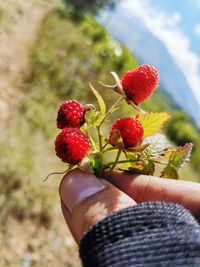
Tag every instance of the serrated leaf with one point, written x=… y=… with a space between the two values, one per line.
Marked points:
x=97 y=117
x=152 y=122
x=158 y=143
x=181 y=155
x=169 y=172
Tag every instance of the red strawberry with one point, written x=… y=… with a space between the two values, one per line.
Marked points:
x=139 y=83
x=130 y=130
x=71 y=145
x=70 y=114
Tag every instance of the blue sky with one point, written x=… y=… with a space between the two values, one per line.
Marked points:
x=177 y=25
x=188 y=12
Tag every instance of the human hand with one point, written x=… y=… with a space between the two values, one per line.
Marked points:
x=86 y=200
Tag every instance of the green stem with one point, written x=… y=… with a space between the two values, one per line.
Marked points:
x=112 y=108
x=54 y=173
x=99 y=137
x=92 y=143
x=125 y=154
x=138 y=109
x=116 y=160
x=100 y=150
x=104 y=146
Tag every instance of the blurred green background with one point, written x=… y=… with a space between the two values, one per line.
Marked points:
x=49 y=52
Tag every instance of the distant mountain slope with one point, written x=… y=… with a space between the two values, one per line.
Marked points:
x=149 y=49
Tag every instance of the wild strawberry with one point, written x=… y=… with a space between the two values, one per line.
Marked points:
x=130 y=130
x=70 y=114
x=71 y=145
x=139 y=83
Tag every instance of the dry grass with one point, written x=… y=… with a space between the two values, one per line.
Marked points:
x=33 y=231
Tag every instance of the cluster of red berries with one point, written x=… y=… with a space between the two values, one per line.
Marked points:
x=72 y=144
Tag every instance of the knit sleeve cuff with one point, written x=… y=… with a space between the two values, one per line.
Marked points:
x=140 y=231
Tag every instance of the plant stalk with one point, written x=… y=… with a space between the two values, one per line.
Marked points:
x=100 y=150
x=54 y=173
x=92 y=143
x=116 y=160
x=138 y=109
x=112 y=108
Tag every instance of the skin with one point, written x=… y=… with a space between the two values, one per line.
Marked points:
x=125 y=190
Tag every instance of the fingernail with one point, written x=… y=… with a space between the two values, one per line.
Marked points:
x=77 y=185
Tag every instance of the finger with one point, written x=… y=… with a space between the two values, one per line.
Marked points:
x=149 y=188
x=66 y=214
x=86 y=200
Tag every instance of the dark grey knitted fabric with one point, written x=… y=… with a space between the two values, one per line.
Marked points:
x=153 y=234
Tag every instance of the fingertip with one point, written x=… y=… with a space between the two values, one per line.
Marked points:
x=78 y=185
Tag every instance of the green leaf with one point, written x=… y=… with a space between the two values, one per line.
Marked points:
x=133 y=167
x=164 y=156
x=149 y=168
x=181 y=155
x=158 y=144
x=140 y=167
x=169 y=172
x=133 y=157
x=152 y=122
x=97 y=116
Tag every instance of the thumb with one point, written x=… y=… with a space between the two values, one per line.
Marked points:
x=86 y=200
